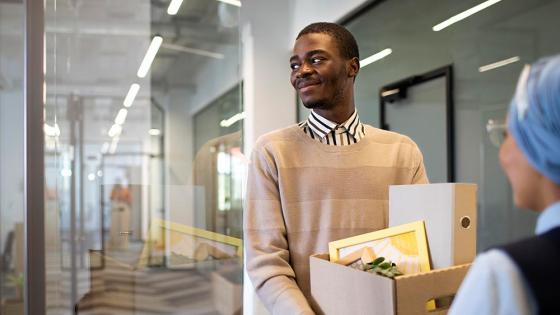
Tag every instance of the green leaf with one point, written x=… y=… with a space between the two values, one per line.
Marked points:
x=383 y=268
x=378 y=260
x=385 y=265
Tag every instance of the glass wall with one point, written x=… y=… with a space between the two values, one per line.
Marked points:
x=510 y=32
x=219 y=163
x=11 y=158
x=132 y=227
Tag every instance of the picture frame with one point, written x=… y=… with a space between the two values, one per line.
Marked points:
x=406 y=245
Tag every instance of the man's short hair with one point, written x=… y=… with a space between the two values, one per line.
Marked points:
x=346 y=42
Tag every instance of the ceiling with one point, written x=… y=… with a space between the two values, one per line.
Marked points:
x=94 y=49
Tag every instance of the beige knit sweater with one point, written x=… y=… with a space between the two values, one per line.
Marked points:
x=302 y=194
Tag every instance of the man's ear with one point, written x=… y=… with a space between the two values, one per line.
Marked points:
x=353 y=67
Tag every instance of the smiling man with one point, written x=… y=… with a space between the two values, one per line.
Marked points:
x=323 y=179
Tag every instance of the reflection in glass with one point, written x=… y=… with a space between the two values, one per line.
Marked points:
x=496 y=129
x=129 y=227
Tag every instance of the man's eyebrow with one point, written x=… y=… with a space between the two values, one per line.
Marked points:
x=316 y=51
x=310 y=53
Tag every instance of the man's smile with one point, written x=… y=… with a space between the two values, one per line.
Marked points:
x=306 y=85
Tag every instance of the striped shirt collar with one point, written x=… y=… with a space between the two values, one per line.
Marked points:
x=322 y=126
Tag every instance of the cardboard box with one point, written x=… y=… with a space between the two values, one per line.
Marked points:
x=337 y=289
x=449 y=214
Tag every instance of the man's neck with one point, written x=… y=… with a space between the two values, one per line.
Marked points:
x=338 y=114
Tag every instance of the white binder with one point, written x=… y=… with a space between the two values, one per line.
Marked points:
x=449 y=212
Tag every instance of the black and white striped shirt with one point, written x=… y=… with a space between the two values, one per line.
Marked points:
x=331 y=133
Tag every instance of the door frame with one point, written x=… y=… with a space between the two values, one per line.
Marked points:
x=398 y=90
x=34 y=165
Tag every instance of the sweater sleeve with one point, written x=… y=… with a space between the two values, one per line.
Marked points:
x=419 y=175
x=266 y=245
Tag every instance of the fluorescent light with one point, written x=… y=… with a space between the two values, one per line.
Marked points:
x=463 y=15
x=195 y=51
x=115 y=130
x=154 y=132
x=91 y=177
x=121 y=116
x=174 y=7
x=114 y=144
x=51 y=131
x=100 y=172
x=390 y=92
x=150 y=55
x=66 y=172
x=498 y=64
x=131 y=95
x=232 y=120
x=236 y=3
x=375 y=57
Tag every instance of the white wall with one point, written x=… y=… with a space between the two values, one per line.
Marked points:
x=310 y=11
x=269 y=97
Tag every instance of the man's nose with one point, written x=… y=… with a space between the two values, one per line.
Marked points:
x=304 y=70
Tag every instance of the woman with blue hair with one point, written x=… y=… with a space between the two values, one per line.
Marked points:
x=523 y=277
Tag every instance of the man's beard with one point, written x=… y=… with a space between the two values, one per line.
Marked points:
x=325 y=104
x=317 y=105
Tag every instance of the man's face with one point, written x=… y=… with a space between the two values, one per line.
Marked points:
x=319 y=73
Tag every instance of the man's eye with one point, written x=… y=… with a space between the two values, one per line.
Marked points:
x=316 y=60
x=294 y=66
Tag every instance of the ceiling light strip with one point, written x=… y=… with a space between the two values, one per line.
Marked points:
x=463 y=15
x=113 y=146
x=195 y=51
x=131 y=95
x=232 y=120
x=121 y=116
x=498 y=64
x=376 y=57
x=236 y=3
x=115 y=131
x=390 y=92
x=174 y=7
x=154 y=132
x=149 y=57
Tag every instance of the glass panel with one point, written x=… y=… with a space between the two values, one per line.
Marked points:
x=144 y=215
x=11 y=158
x=217 y=156
x=515 y=32
x=424 y=105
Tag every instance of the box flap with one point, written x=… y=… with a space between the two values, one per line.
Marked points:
x=414 y=291
x=338 y=289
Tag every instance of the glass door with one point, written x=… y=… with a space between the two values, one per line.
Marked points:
x=126 y=214
x=410 y=105
x=12 y=214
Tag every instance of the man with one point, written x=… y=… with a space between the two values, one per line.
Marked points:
x=521 y=278
x=322 y=180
